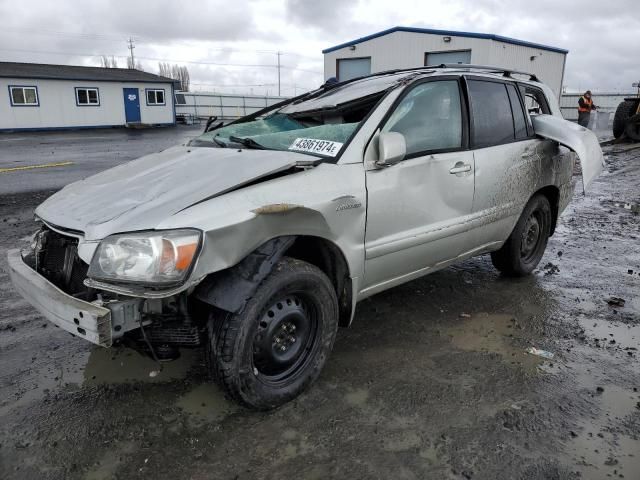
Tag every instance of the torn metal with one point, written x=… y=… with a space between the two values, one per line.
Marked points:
x=579 y=139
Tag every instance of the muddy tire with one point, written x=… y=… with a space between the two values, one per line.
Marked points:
x=524 y=248
x=271 y=351
x=624 y=111
x=633 y=128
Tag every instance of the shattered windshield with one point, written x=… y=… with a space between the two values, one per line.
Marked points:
x=319 y=125
x=279 y=132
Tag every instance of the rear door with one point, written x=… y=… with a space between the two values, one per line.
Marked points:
x=507 y=161
x=417 y=209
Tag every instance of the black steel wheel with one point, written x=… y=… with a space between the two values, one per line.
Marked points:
x=524 y=248
x=286 y=334
x=275 y=347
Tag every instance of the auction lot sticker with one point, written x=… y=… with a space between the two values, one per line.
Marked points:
x=321 y=147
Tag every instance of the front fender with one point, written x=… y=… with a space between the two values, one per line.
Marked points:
x=231 y=288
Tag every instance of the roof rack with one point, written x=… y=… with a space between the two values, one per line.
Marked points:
x=485 y=68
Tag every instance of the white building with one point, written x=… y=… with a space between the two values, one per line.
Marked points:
x=407 y=47
x=43 y=97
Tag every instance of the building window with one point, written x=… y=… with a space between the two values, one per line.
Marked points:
x=87 y=96
x=22 y=96
x=180 y=100
x=155 y=96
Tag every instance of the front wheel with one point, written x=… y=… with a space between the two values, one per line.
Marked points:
x=267 y=354
x=524 y=248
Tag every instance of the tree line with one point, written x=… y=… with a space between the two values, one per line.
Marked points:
x=173 y=71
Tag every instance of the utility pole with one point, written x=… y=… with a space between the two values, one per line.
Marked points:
x=278 y=54
x=131 y=46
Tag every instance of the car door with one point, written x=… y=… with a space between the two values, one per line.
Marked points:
x=417 y=208
x=507 y=158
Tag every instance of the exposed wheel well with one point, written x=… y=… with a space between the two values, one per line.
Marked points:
x=553 y=195
x=327 y=257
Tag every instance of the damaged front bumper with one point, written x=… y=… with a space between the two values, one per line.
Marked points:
x=80 y=318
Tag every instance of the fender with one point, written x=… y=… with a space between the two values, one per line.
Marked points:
x=579 y=139
x=230 y=289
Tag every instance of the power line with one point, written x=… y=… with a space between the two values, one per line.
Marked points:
x=157 y=59
x=118 y=38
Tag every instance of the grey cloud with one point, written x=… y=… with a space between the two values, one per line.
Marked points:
x=332 y=16
x=602 y=39
x=160 y=20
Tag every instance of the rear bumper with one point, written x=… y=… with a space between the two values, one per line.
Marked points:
x=82 y=319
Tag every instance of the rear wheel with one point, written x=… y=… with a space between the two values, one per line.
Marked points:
x=624 y=111
x=524 y=248
x=272 y=350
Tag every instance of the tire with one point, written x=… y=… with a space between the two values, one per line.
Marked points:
x=272 y=350
x=524 y=248
x=625 y=110
x=633 y=128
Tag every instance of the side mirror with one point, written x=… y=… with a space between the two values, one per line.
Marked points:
x=392 y=148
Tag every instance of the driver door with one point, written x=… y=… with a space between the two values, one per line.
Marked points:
x=418 y=210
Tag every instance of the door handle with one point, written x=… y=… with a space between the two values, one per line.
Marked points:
x=460 y=168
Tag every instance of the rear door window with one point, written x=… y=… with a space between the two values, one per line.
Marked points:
x=490 y=113
x=534 y=100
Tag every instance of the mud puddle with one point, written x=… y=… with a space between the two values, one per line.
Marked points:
x=610 y=334
x=124 y=365
x=604 y=447
x=494 y=333
x=206 y=404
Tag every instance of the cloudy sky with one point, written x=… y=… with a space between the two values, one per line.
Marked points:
x=230 y=45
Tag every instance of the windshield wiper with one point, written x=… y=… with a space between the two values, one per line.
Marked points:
x=219 y=142
x=247 y=142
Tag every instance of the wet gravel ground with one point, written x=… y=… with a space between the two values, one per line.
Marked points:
x=432 y=380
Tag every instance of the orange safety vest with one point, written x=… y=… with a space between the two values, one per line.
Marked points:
x=589 y=102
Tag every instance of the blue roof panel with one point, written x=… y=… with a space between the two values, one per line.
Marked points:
x=451 y=33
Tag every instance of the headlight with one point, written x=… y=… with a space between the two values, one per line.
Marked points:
x=163 y=257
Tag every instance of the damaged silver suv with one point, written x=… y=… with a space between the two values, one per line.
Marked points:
x=259 y=237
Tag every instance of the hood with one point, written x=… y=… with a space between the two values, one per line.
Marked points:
x=140 y=194
x=579 y=139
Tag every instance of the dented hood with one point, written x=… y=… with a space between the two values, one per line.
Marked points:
x=140 y=194
x=579 y=139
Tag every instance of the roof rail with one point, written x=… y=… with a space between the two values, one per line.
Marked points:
x=506 y=72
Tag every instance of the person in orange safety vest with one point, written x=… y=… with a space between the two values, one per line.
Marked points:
x=585 y=105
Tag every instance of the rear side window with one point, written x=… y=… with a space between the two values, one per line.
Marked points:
x=534 y=100
x=519 y=119
x=491 y=114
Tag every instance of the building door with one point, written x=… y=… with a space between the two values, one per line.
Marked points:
x=436 y=58
x=348 y=68
x=131 y=105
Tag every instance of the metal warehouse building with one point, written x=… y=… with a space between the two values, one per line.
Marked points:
x=43 y=97
x=407 y=47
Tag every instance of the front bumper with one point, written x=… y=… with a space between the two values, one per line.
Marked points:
x=82 y=319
